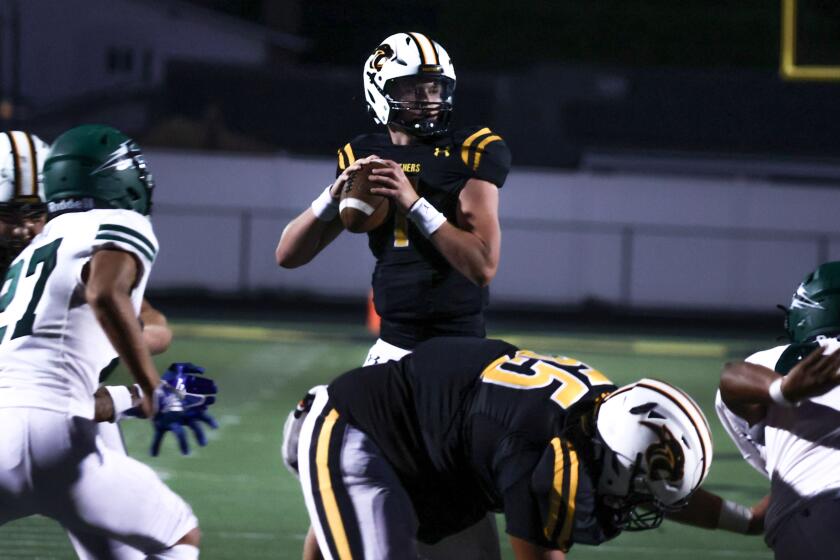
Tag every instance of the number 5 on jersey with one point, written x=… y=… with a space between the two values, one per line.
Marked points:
x=44 y=256
x=528 y=370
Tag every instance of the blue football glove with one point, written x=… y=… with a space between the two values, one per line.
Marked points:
x=181 y=400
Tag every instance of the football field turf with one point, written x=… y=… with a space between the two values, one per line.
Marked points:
x=250 y=507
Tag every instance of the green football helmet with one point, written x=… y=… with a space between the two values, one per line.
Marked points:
x=96 y=166
x=815 y=307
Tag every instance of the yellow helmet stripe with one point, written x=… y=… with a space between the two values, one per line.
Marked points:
x=16 y=162
x=465 y=147
x=33 y=161
x=480 y=149
x=336 y=525
x=428 y=54
x=341 y=164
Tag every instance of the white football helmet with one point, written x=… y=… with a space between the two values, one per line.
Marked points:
x=22 y=158
x=409 y=56
x=657 y=450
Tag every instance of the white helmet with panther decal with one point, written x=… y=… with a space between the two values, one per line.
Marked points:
x=657 y=450
x=404 y=59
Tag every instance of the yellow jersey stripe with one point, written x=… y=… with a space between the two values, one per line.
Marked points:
x=424 y=45
x=465 y=147
x=557 y=490
x=336 y=526
x=569 y=517
x=400 y=231
x=351 y=157
x=480 y=149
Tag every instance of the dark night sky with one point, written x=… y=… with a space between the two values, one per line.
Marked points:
x=508 y=35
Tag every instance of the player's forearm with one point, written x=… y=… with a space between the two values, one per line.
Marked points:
x=703 y=510
x=115 y=314
x=303 y=238
x=467 y=253
x=156 y=331
x=744 y=388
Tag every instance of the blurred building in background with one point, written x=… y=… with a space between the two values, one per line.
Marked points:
x=661 y=158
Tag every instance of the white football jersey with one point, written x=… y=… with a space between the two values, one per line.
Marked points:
x=52 y=348
x=797 y=448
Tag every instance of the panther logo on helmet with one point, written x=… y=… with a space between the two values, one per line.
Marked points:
x=382 y=54
x=665 y=458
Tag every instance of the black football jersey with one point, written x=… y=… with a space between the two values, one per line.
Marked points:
x=474 y=425
x=412 y=281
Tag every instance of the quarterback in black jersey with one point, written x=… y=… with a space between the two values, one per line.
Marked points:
x=439 y=248
x=425 y=446
x=418 y=292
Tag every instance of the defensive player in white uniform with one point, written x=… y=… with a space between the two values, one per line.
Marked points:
x=23 y=215
x=69 y=306
x=782 y=409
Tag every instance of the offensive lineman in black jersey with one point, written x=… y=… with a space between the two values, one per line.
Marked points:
x=425 y=446
x=439 y=248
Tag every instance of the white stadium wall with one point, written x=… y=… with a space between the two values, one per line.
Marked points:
x=646 y=241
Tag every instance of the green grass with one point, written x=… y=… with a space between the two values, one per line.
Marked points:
x=250 y=507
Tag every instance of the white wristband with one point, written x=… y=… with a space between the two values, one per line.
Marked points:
x=121 y=397
x=426 y=217
x=777 y=396
x=325 y=207
x=734 y=517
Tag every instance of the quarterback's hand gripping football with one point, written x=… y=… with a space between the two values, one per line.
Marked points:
x=182 y=399
x=394 y=184
x=338 y=185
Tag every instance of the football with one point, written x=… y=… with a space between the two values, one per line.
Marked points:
x=360 y=210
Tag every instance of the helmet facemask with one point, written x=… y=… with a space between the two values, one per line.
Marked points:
x=625 y=493
x=420 y=105
x=129 y=158
x=20 y=221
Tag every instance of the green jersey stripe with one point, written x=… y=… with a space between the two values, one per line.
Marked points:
x=110 y=237
x=129 y=231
